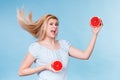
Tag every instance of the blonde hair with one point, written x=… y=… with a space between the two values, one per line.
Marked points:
x=38 y=28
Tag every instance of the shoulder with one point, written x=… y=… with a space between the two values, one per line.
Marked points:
x=33 y=46
x=65 y=45
x=34 y=49
x=64 y=41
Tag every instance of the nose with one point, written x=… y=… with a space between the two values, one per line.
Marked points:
x=55 y=26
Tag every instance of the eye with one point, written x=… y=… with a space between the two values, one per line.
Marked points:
x=51 y=24
x=56 y=24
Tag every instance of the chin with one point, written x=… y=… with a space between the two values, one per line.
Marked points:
x=52 y=36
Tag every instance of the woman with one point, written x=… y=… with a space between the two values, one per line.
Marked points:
x=47 y=49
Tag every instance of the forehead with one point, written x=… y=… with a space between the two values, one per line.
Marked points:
x=52 y=20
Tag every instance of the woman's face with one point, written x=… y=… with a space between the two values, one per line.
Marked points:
x=52 y=28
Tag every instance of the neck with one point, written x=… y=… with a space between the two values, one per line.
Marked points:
x=49 y=40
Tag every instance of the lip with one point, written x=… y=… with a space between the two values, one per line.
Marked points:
x=53 y=32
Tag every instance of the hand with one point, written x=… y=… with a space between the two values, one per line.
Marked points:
x=49 y=67
x=96 y=30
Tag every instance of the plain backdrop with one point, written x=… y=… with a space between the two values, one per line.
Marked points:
x=74 y=17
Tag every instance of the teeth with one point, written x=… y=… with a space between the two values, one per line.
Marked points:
x=52 y=31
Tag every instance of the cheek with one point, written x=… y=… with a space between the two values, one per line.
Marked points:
x=48 y=29
x=57 y=28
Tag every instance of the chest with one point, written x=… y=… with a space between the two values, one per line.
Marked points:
x=48 y=56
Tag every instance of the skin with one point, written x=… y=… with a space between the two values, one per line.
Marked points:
x=52 y=44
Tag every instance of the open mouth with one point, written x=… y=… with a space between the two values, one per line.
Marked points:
x=53 y=31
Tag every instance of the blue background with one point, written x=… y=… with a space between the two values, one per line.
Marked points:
x=74 y=16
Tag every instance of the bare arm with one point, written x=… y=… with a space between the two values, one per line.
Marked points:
x=74 y=52
x=26 y=64
x=25 y=68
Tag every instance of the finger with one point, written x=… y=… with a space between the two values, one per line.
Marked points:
x=54 y=70
x=101 y=23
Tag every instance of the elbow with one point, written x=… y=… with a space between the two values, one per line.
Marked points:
x=20 y=73
x=85 y=57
